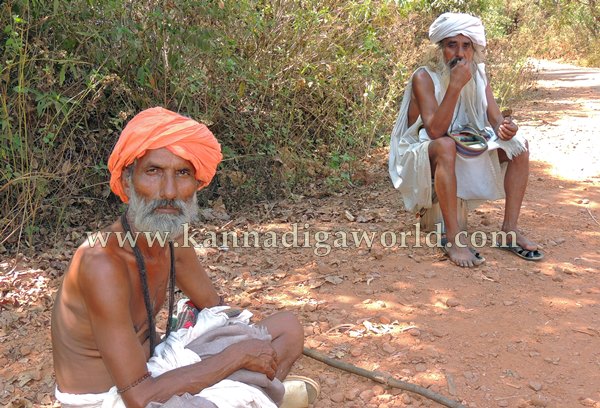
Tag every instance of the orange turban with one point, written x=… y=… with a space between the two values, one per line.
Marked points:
x=157 y=128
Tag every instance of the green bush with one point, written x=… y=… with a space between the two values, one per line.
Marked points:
x=297 y=92
x=561 y=29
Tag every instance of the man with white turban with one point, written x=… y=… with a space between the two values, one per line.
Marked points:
x=450 y=93
x=105 y=346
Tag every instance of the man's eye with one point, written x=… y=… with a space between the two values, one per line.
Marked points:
x=184 y=172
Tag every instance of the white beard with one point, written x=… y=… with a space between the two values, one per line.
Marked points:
x=144 y=218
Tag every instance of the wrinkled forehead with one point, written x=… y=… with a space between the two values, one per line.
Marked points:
x=459 y=39
x=162 y=157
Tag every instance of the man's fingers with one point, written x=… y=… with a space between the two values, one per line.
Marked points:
x=505 y=132
x=510 y=125
x=271 y=369
x=274 y=366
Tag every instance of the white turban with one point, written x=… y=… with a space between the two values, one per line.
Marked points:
x=452 y=24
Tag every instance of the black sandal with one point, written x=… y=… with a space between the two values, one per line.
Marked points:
x=528 y=255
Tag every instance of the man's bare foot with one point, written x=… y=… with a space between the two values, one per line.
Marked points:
x=464 y=257
x=522 y=241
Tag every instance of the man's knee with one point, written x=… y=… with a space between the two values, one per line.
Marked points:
x=522 y=157
x=287 y=326
x=293 y=333
x=292 y=326
x=443 y=150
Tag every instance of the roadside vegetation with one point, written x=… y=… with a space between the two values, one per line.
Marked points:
x=298 y=92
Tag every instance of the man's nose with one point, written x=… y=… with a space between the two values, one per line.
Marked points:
x=168 y=189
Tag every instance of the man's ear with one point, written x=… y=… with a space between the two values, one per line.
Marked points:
x=125 y=184
x=126 y=177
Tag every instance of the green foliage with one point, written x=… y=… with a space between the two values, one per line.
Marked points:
x=561 y=29
x=436 y=7
x=297 y=92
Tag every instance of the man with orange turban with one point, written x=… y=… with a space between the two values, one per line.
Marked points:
x=105 y=346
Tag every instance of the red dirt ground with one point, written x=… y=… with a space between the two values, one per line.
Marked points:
x=510 y=333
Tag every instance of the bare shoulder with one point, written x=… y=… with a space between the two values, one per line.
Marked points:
x=187 y=262
x=422 y=78
x=99 y=267
x=101 y=251
x=96 y=279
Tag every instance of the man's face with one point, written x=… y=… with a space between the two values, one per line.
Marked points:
x=162 y=192
x=458 y=46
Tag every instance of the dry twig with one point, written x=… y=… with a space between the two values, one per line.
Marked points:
x=592 y=215
x=382 y=378
x=584 y=332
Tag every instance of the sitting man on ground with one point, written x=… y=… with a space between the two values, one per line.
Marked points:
x=452 y=92
x=103 y=322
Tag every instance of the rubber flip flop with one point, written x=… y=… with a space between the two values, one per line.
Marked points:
x=521 y=252
x=300 y=391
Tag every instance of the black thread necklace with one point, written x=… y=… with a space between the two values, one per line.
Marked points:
x=139 y=259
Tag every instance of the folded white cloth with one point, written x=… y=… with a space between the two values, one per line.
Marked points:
x=103 y=400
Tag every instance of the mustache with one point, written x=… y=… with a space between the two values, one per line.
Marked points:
x=162 y=203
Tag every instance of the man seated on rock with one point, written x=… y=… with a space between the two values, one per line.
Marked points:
x=452 y=92
x=103 y=321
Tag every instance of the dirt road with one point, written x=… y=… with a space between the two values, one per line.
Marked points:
x=510 y=333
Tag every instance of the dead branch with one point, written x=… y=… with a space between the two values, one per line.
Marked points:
x=382 y=378
x=592 y=215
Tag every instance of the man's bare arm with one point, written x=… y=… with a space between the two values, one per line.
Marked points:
x=106 y=289
x=193 y=280
x=253 y=355
x=437 y=118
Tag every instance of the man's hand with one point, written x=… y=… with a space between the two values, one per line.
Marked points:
x=258 y=355
x=461 y=73
x=507 y=129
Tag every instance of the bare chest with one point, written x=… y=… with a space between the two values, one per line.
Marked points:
x=149 y=291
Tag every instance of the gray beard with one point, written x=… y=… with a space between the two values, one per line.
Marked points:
x=141 y=213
